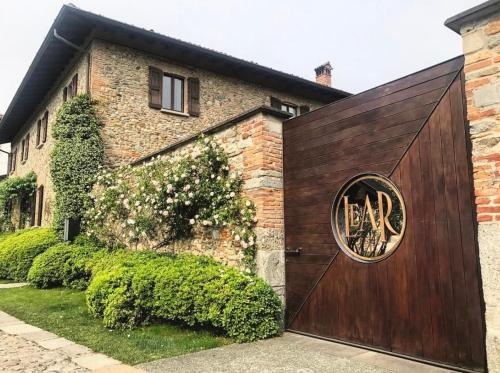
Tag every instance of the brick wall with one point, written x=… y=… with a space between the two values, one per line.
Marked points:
x=254 y=146
x=481 y=44
x=119 y=82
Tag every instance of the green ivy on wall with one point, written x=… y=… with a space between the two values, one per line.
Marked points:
x=78 y=153
x=165 y=199
x=12 y=188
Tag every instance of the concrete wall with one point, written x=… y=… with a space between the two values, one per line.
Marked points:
x=481 y=44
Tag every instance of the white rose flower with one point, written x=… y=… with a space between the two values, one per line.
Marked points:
x=187 y=203
x=191 y=195
x=197 y=181
x=131 y=221
x=247 y=203
x=237 y=237
x=169 y=200
x=232 y=194
x=191 y=221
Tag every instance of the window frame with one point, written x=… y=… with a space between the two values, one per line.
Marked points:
x=172 y=91
x=38 y=133
x=288 y=106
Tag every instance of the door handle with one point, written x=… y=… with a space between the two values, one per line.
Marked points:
x=293 y=252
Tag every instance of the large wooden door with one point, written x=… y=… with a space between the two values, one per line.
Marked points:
x=424 y=300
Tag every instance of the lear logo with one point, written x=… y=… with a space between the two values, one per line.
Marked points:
x=368 y=218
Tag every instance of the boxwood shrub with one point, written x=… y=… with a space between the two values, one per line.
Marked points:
x=18 y=250
x=195 y=291
x=46 y=270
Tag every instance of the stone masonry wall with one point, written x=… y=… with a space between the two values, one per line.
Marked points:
x=39 y=158
x=254 y=146
x=119 y=82
x=481 y=43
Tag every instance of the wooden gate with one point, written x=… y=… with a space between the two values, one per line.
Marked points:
x=424 y=300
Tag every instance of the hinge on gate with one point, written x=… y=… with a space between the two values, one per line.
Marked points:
x=293 y=252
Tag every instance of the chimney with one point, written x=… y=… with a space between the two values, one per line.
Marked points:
x=324 y=74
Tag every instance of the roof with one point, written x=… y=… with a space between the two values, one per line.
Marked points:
x=79 y=27
x=473 y=14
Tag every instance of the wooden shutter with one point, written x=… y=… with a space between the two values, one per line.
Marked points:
x=27 y=144
x=14 y=159
x=23 y=149
x=38 y=131
x=194 y=96
x=74 y=86
x=304 y=109
x=9 y=163
x=45 y=126
x=40 y=205
x=65 y=94
x=276 y=103
x=32 y=206
x=155 y=87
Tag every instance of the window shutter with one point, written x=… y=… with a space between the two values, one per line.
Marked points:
x=194 y=96
x=155 y=87
x=45 y=126
x=23 y=149
x=65 y=94
x=304 y=109
x=74 y=85
x=27 y=146
x=9 y=163
x=276 y=103
x=40 y=205
x=38 y=131
x=14 y=159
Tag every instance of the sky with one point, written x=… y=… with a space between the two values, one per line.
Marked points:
x=367 y=42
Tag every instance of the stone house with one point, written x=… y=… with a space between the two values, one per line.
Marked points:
x=155 y=93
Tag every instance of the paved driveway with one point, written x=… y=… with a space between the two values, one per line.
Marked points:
x=290 y=353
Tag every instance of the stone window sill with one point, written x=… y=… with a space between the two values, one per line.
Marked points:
x=39 y=146
x=181 y=114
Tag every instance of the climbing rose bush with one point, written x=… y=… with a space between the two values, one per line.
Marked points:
x=163 y=200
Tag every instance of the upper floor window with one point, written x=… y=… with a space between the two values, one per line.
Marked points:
x=11 y=163
x=41 y=129
x=173 y=93
x=289 y=108
x=167 y=91
x=71 y=90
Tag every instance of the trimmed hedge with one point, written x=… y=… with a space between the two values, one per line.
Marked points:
x=65 y=264
x=195 y=291
x=46 y=269
x=18 y=250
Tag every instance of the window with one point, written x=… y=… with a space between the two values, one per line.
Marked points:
x=284 y=106
x=173 y=93
x=25 y=148
x=289 y=108
x=65 y=94
x=72 y=89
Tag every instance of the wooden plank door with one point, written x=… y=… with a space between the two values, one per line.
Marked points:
x=423 y=301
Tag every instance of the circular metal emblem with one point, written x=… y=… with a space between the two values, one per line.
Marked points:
x=368 y=218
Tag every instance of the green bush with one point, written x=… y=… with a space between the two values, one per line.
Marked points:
x=77 y=269
x=195 y=291
x=46 y=270
x=17 y=251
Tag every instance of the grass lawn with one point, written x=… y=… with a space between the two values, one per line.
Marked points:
x=64 y=312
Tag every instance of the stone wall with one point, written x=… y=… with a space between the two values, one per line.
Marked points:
x=481 y=44
x=119 y=82
x=254 y=146
x=39 y=158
